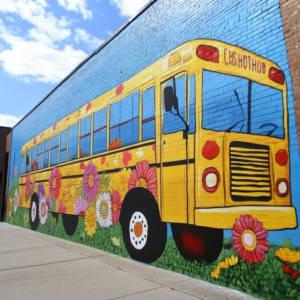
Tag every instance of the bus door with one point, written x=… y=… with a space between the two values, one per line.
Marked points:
x=174 y=149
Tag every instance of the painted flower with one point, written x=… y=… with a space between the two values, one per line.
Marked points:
x=61 y=208
x=48 y=202
x=103 y=158
x=91 y=181
x=144 y=177
x=80 y=207
x=224 y=264
x=291 y=271
x=81 y=165
x=9 y=207
x=89 y=106
x=28 y=186
x=139 y=153
x=103 y=210
x=126 y=158
x=116 y=143
x=55 y=183
x=34 y=166
x=25 y=219
x=15 y=170
x=216 y=272
x=43 y=210
x=71 y=191
x=287 y=255
x=115 y=200
x=115 y=241
x=41 y=190
x=249 y=239
x=119 y=182
x=233 y=260
x=90 y=221
x=16 y=201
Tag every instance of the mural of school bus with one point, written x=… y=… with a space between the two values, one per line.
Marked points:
x=199 y=139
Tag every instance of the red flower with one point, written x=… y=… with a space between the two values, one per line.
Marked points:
x=61 y=208
x=34 y=166
x=249 y=239
x=55 y=183
x=42 y=135
x=126 y=158
x=115 y=199
x=81 y=165
x=119 y=89
x=289 y=270
x=103 y=160
x=27 y=186
x=54 y=126
x=143 y=176
x=34 y=141
x=116 y=143
x=88 y=107
x=154 y=147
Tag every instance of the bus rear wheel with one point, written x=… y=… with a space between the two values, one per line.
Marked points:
x=34 y=212
x=144 y=234
x=198 y=243
x=70 y=223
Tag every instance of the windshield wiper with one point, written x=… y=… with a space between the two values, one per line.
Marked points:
x=237 y=96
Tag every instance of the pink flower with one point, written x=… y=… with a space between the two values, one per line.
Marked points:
x=249 y=239
x=154 y=147
x=48 y=203
x=61 y=207
x=115 y=199
x=91 y=181
x=143 y=176
x=88 y=107
x=27 y=186
x=126 y=158
x=55 y=183
x=15 y=170
x=80 y=207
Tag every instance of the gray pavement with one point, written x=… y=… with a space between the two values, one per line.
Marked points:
x=38 y=266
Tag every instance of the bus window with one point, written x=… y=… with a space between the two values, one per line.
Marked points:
x=73 y=142
x=172 y=123
x=124 y=121
x=54 y=150
x=22 y=167
x=33 y=159
x=27 y=168
x=39 y=156
x=192 y=107
x=148 y=127
x=85 y=137
x=235 y=104
x=46 y=154
x=63 y=146
x=100 y=131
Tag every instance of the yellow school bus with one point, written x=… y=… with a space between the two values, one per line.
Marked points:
x=197 y=139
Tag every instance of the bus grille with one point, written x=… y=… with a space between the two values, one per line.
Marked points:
x=250 y=172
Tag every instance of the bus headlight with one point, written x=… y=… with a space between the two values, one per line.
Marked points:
x=282 y=187
x=211 y=180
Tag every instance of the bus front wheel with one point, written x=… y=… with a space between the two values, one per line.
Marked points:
x=197 y=243
x=144 y=234
x=34 y=211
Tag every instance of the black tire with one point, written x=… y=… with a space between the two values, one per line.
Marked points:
x=139 y=202
x=198 y=243
x=34 y=215
x=70 y=223
x=55 y=216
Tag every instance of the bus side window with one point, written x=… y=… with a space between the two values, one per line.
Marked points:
x=27 y=167
x=100 y=131
x=73 y=142
x=192 y=107
x=54 y=150
x=85 y=137
x=22 y=167
x=124 y=121
x=39 y=156
x=148 y=127
x=63 y=146
x=173 y=123
x=46 y=154
x=33 y=159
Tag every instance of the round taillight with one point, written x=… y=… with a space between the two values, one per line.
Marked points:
x=211 y=180
x=208 y=53
x=276 y=75
x=210 y=150
x=281 y=157
x=282 y=187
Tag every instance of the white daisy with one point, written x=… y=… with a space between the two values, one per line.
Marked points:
x=43 y=210
x=103 y=210
x=139 y=153
x=16 y=200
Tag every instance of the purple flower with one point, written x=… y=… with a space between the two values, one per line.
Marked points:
x=41 y=190
x=80 y=207
x=91 y=181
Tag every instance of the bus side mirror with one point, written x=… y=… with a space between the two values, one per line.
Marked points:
x=170 y=99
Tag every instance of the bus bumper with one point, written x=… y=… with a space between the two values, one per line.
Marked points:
x=272 y=217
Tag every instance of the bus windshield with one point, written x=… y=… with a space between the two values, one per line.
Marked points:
x=236 y=104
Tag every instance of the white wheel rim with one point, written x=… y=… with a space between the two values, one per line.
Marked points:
x=138 y=230
x=33 y=212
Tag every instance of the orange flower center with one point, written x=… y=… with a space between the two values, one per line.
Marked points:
x=138 y=229
x=91 y=220
x=91 y=181
x=43 y=209
x=115 y=207
x=54 y=182
x=141 y=182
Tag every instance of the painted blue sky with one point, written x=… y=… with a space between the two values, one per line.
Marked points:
x=41 y=42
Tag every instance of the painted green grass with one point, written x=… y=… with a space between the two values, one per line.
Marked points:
x=265 y=280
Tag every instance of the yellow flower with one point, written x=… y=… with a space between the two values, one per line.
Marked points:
x=233 y=260
x=90 y=221
x=216 y=272
x=70 y=195
x=224 y=264
x=9 y=207
x=115 y=241
x=119 y=182
x=287 y=255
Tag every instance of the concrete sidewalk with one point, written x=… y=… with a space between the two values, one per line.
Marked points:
x=37 y=266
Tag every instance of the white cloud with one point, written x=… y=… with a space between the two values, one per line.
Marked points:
x=82 y=36
x=8 y=120
x=10 y=19
x=129 y=8
x=109 y=32
x=77 y=6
